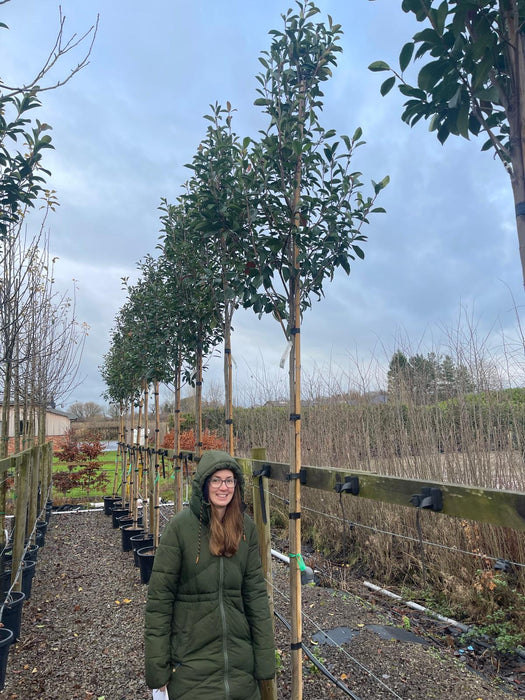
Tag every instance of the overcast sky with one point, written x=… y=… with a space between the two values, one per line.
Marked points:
x=443 y=258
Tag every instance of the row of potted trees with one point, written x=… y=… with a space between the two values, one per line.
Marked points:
x=16 y=586
x=133 y=534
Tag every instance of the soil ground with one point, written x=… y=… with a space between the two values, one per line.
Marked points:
x=81 y=635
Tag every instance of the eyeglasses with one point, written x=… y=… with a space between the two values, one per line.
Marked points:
x=217 y=483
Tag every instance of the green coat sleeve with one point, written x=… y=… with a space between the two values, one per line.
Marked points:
x=162 y=591
x=255 y=598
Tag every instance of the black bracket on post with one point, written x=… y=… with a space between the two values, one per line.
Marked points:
x=351 y=485
x=429 y=498
x=264 y=471
x=301 y=475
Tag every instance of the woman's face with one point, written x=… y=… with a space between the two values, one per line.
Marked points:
x=219 y=492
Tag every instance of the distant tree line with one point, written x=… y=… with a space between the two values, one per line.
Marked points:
x=422 y=380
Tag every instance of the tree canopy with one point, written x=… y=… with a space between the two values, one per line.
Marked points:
x=471 y=81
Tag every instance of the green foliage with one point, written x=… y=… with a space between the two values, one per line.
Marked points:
x=279 y=666
x=425 y=380
x=307 y=210
x=471 y=81
x=502 y=609
x=21 y=174
x=501 y=629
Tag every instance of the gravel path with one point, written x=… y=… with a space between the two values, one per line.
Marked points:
x=81 y=633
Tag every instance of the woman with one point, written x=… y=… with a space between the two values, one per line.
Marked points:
x=208 y=631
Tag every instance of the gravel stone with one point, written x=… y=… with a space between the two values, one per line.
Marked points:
x=82 y=629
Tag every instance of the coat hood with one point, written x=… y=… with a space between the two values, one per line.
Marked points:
x=210 y=462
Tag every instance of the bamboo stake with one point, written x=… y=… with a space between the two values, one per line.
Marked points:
x=156 y=498
x=125 y=498
x=120 y=448
x=133 y=496
x=176 y=441
x=295 y=497
x=228 y=382
x=145 y=466
x=124 y=461
x=198 y=405
x=295 y=434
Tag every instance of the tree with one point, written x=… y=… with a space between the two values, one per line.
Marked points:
x=221 y=225
x=306 y=217
x=21 y=173
x=422 y=380
x=474 y=81
x=86 y=410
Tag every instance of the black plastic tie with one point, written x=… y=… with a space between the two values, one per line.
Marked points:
x=265 y=470
x=295 y=646
x=351 y=485
x=295 y=416
x=300 y=475
x=294 y=516
x=295 y=331
x=429 y=499
x=229 y=421
x=520 y=209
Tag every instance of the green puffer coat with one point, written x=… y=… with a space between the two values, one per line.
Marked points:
x=208 y=631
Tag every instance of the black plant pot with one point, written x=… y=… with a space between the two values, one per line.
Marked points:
x=138 y=542
x=126 y=532
x=30 y=555
x=117 y=513
x=6 y=639
x=40 y=535
x=146 y=556
x=12 y=613
x=109 y=503
x=28 y=571
x=125 y=521
x=49 y=508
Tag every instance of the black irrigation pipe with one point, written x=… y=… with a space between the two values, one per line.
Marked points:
x=317 y=663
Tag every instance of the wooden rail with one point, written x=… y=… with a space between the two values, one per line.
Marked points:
x=494 y=506
x=31 y=469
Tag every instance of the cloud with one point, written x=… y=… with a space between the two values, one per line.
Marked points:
x=126 y=125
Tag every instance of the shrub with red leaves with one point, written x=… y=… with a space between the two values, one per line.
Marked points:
x=210 y=440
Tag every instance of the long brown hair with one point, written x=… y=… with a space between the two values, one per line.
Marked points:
x=225 y=534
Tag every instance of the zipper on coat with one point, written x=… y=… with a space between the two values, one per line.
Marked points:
x=224 y=628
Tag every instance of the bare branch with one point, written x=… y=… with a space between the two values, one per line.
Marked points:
x=60 y=48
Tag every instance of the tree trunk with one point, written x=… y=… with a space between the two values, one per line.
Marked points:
x=176 y=438
x=156 y=496
x=4 y=447
x=228 y=380
x=198 y=403
x=515 y=55
x=16 y=405
x=295 y=490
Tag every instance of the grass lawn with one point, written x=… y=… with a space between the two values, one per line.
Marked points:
x=107 y=460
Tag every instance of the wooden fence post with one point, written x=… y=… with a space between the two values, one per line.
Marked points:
x=34 y=483
x=21 y=486
x=269 y=687
x=48 y=461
